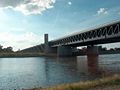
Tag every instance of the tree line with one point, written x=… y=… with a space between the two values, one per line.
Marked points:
x=6 y=50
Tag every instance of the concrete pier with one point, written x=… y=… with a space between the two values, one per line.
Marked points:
x=47 y=48
x=92 y=51
x=64 y=51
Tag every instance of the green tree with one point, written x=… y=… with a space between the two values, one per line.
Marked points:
x=1 y=48
x=9 y=49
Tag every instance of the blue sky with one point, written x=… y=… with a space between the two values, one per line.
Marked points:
x=24 y=22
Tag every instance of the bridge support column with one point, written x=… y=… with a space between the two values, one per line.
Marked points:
x=47 y=48
x=64 y=51
x=92 y=51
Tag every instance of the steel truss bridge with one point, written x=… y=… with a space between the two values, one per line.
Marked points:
x=108 y=33
x=104 y=34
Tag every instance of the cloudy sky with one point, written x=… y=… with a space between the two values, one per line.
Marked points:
x=24 y=22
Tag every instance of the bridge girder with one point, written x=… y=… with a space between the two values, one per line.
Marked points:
x=107 y=34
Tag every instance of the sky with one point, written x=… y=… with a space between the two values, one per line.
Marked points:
x=23 y=23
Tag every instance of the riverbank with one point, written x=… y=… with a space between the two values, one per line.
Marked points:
x=19 y=54
x=106 y=83
x=15 y=55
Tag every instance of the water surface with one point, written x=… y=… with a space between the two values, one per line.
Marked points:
x=18 y=73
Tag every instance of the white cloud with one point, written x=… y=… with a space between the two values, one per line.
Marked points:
x=69 y=3
x=102 y=11
x=20 y=41
x=27 y=7
x=119 y=13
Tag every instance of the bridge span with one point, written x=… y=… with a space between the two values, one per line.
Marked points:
x=108 y=33
x=104 y=34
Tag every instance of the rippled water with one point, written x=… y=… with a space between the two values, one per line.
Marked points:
x=18 y=73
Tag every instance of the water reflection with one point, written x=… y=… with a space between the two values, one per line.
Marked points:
x=110 y=63
x=68 y=60
x=85 y=67
x=18 y=73
x=93 y=64
x=61 y=70
x=90 y=65
x=83 y=64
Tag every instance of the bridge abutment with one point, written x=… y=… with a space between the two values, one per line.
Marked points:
x=64 y=51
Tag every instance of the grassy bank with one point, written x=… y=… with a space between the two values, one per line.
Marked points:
x=99 y=84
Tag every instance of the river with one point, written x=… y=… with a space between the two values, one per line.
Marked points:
x=18 y=73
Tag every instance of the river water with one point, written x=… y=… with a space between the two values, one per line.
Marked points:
x=18 y=73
